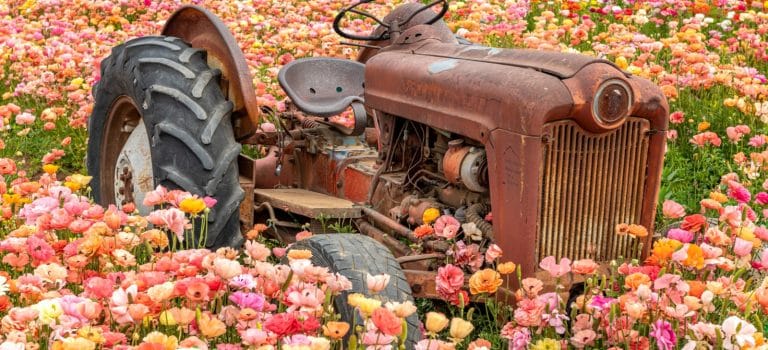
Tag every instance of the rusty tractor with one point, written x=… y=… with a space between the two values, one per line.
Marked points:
x=558 y=147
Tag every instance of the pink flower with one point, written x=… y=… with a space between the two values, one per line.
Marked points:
x=156 y=197
x=666 y=339
x=761 y=198
x=757 y=141
x=738 y=192
x=705 y=138
x=444 y=221
x=742 y=247
x=377 y=283
x=672 y=209
x=493 y=253
x=680 y=235
x=450 y=279
x=583 y=338
x=244 y=300
x=677 y=117
x=735 y=133
x=528 y=313
x=99 y=288
x=172 y=218
x=209 y=201
x=519 y=337
x=467 y=255
x=555 y=269
x=672 y=134
x=25 y=119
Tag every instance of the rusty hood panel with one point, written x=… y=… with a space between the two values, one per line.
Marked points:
x=462 y=95
x=561 y=65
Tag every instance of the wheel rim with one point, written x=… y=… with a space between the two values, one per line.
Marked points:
x=126 y=164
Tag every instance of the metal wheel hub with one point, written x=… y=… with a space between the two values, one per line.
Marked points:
x=134 y=176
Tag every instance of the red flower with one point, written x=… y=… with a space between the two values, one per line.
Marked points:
x=284 y=324
x=694 y=223
x=309 y=324
x=387 y=322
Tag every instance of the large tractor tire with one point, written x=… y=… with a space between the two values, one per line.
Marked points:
x=160 y=118
x=354 y=256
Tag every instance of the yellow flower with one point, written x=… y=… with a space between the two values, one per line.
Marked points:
x=82 y=180
x=546 y=344
x=74 y=186
x=436 y=322
x=695 y=257
x=460 y=329
x=50 y=169
x=298 y=254
x=506 y=268
x=92 y=334
x=621 y=62
x=368 y=305
x=703 y=126
x=48 y=311
x=77 y=344
x=718 y=196
x=168 y=342
x=166 y=319
x=192 y=205
x=430 y=215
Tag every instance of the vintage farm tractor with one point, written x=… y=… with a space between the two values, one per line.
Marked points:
x=559 y=147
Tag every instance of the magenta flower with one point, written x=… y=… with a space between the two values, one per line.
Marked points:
x=680 y=235
x=665 y=337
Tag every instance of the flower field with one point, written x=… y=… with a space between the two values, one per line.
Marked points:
x=76 y=275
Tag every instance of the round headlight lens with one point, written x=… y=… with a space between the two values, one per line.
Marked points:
x=612 y=103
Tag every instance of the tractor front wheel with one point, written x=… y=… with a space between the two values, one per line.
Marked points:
x=354 y=256
x=160 y=118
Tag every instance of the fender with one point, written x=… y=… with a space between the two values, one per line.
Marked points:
x=202 y=29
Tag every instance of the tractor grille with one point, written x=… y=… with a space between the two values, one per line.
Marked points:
x=590 y=183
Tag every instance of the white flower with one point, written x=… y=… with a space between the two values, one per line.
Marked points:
x=3 y=285
x=742 y=330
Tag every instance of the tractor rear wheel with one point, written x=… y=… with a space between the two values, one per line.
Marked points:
x=354 y=256
x=160 y=118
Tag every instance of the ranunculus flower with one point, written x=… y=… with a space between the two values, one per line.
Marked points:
x=584 y=266
x=435 y=322
x=680 y=235
x=672 y=209
x=485 y=281
x=377 y=283
x=460 y=328
x=555 y=269
x=386 y=322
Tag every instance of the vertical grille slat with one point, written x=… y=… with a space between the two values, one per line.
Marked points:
x=589 y=183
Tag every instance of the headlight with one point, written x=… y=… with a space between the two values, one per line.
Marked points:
x=612 y=102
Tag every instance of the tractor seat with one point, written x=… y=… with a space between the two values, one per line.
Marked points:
x=323 y=86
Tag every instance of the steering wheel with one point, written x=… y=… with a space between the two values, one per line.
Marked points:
x=390 y=27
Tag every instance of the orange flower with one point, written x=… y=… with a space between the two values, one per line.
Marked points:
x=423 y=231
x=662 y=251
x=696 y=288
x=167 y=342
x=636 y=279
x=638 y=231
x=296 y=254
x=695 y=257
x=211 y=327
x=485 y=281
x=718 y=196
x=506 y=268
x=479 y=344
x=584 y=266
x=335 y=330
x=694 y=223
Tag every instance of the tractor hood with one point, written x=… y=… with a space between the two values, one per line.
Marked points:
x=472 y=90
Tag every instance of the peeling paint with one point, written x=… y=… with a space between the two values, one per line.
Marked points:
x=442 y=66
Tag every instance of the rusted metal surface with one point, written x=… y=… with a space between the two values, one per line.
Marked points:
x=202 y=29
x=246 y=206
x=589 y=184
x=134 y=174
x=383 y=220
x=452 y=160
x=122 y=122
